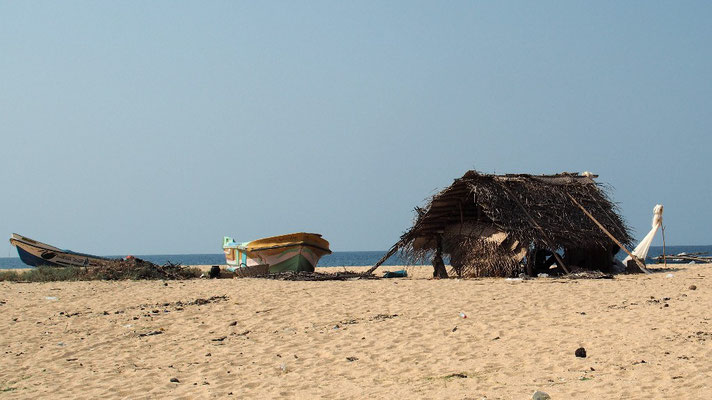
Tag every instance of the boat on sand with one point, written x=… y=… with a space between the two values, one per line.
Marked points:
x=38 y=254
x=293 y=252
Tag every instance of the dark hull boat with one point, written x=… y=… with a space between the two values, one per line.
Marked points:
x=37 y=254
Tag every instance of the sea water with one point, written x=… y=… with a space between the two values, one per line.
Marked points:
x=336 y=259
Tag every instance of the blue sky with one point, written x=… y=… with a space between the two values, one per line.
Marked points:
x=159 y=127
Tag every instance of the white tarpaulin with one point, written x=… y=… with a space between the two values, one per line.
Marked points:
x=641 y=250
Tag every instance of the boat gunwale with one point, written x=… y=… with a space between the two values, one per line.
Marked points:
x=31 y=242
x=279 y=246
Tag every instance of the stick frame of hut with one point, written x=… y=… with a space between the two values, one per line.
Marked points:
x=489 y=223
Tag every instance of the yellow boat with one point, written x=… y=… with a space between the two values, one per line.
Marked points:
x=293 y=252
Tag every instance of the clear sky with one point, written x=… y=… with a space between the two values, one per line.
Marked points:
x=158 y=127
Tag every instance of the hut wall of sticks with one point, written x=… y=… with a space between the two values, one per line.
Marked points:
x=502 y=225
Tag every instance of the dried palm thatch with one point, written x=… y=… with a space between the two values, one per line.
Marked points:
x=489 y=222
x=478 y=257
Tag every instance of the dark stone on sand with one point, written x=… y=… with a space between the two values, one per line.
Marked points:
x=538 y=395
x=175 y=380
x=150 y=333
x=233 y=323
x=456 y=375
x=352 y=359
x=693 y=287
x=580 y=352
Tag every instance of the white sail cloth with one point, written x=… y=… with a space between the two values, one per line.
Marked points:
x=641 y=250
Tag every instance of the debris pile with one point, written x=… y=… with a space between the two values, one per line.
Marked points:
x=587 y=274
x=319 y=276
x=136 y=268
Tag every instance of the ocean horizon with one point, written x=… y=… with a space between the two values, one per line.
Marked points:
x=337 y=258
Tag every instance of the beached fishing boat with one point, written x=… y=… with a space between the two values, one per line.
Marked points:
x=294 y=252
x=37 y=254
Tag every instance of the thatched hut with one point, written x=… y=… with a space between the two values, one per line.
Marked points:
x=501 y=225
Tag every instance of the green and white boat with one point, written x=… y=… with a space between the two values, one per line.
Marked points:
x=293 y=252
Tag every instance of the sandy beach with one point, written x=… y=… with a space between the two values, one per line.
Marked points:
x=646 y=336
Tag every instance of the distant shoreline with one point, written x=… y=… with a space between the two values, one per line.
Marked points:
x=336 y=259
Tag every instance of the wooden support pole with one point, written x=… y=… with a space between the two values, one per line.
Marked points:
x=632 y=256
x=531 y=258
x=664 y=258
x=439 y=270
x=383 y=259
x=541 y=230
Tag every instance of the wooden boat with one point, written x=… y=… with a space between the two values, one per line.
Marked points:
x=37 y=254
x=293 y=252
x=684 y=258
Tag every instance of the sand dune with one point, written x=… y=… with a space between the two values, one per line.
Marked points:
x=646 y=336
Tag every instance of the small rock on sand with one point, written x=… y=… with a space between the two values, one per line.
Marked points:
x=692 y=287
x=175 y=380
x=538 y=395
x=580 y=352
